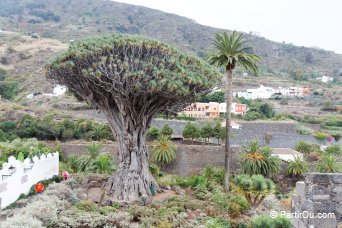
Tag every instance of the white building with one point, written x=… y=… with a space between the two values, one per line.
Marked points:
x=262 y=92
x=325 y=79
x=58 y=90
x=238 y=109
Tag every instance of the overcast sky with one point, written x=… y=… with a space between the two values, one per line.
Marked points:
x=301 y=22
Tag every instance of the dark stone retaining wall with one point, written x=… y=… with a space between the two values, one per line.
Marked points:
x=318 y=193
x=190 y=158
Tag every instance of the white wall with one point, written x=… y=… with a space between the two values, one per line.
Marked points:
x=22 y=180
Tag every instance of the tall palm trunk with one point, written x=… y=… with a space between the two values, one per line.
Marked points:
x=227 y=152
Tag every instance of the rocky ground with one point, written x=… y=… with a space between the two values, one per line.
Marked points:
x=81 y=202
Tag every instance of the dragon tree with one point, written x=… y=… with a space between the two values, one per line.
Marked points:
x=130 y=79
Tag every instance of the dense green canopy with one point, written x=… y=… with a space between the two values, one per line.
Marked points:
x=127 y=66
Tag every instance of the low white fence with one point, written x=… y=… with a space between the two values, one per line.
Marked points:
x=17 y=177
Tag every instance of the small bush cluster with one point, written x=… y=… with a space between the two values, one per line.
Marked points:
x=192 y=131
x=24 y=148
x=154 y=132
x=306 y=147
x=46 y=128
x=259 y=110
x=95 y=160
x=265 y=221
x=303 y=130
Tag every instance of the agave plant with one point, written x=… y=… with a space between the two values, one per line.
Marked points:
x=255 y=188
x=164 y=150
x=329 y=164
x=257 y=159
x=297 y=167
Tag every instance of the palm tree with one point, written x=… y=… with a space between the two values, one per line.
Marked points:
x=231 y=52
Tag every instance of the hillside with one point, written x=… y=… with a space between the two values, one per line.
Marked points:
x=72 y=19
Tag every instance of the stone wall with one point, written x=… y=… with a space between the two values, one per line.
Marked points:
x=318 y=193
x=190 y=158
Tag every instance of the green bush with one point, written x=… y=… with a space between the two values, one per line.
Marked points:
x=255 y=188
x=329 y=164
x=335 y=149
x=237 y=205
x=166 y=130
x=297 y=167
x=303 y=130
x=303 y=147
x=191 y=131
x=257 y=159
x=153 y=132
x=252 y=115
x=217 y=223
x=213 y=97
x=154 y=170
x=321 y=136
x=265 y=221
x=8 y=89
x=207 y=132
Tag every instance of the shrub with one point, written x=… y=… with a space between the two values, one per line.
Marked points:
x=217 y=223
x=262 y=221
x=86 y=206
x=252 y=115
x=103 y=164
x=303 y=130
x=20 y=221
x=265 y=221
x=164 y=150
x=255 y=188
x=168 y=180
x=237 y=205
x=297 y=167
x=334 y=150
x=166 y=130
x=8 y=89
x=154 y=170
x=304 y=147
x=321 y=136
x=213 y=173
x=329 y=164
x=281 y=222
x=191 y=131
x=219 y=132
x=206 y=132
x=45 y=208
x=76 y=218
x=153 y=132
x=257 y=159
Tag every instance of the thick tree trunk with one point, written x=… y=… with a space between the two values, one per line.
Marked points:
x=133 y=179
x=227 y=151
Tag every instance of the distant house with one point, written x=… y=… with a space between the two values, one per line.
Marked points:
x=57 y=91
x=325 y=79
x=237 y=109
x=212 y=109
x=264 y=92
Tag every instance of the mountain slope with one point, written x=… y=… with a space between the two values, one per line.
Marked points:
x=72 y=19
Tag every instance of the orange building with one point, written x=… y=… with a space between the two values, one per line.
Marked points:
x=212 y=109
